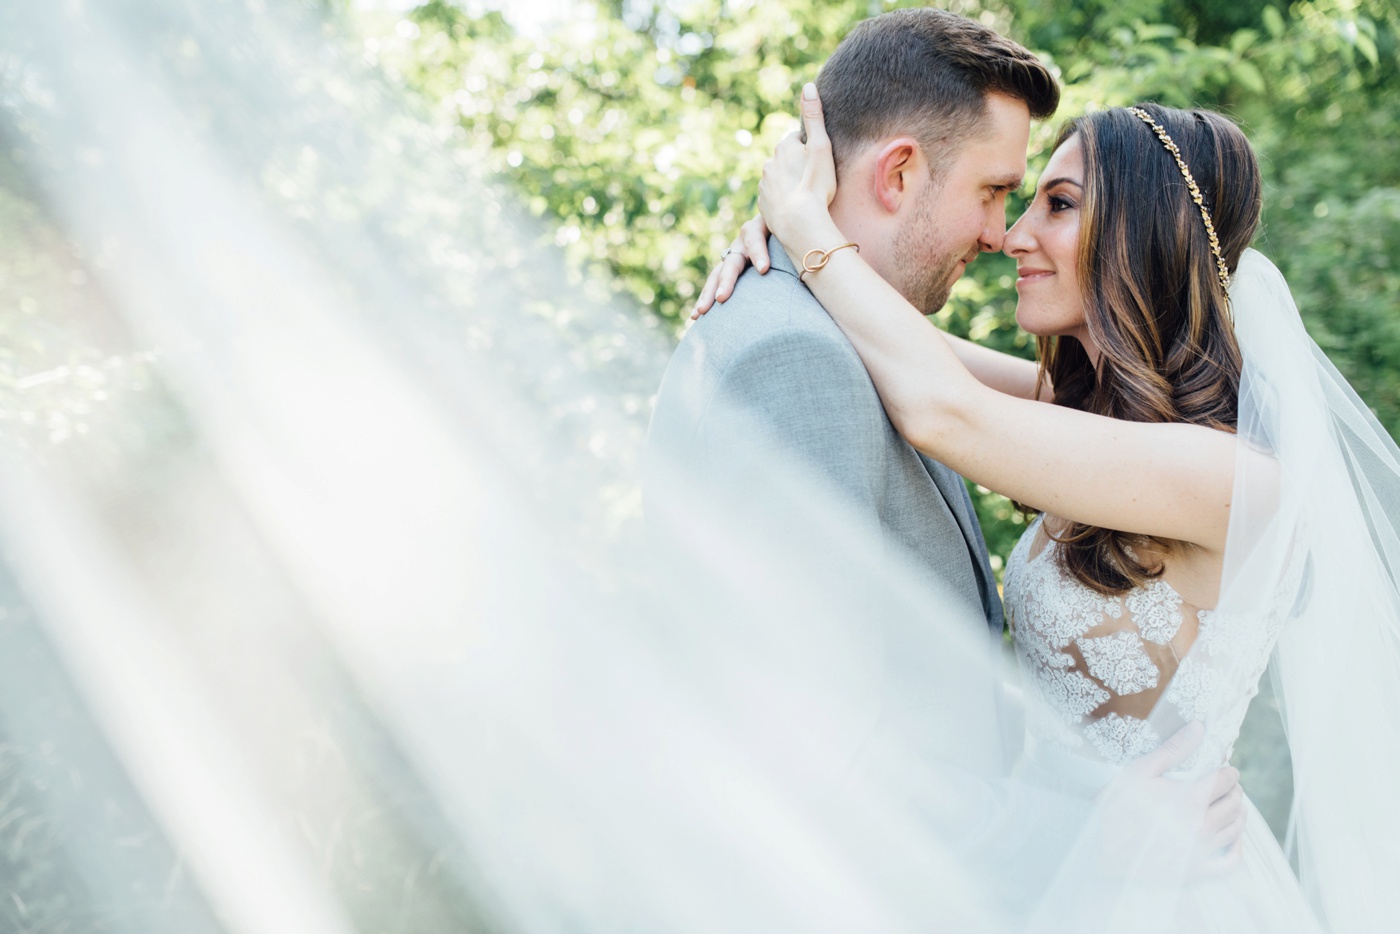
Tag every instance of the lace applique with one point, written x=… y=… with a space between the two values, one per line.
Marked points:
x=1062 y=614
x=1122 y=739
x=1072 y=694
x=1050 y=612
x=1234 y=635
x=1193 y=689
x=1042 y=654
x=1119 y=662
x=1075 y=613
x=1156 y=609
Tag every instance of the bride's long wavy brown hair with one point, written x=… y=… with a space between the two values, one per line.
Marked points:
x=1153 y=302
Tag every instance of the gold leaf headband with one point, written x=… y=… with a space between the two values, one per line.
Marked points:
x=1168 y=142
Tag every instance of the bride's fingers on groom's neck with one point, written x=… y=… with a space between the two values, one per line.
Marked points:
x=707 y=293
x=728 y=278
x=812 y=120
x=754 y=235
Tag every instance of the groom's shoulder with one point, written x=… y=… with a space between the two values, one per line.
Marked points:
x=766 y=312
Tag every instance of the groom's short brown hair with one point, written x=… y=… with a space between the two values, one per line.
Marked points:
x=926 y=73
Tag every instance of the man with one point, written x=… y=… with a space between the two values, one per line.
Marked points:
x=929 y=117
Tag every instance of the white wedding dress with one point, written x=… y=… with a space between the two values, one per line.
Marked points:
x=374 y=644
x=1107 y=678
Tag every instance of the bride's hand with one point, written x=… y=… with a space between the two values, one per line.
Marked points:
x=799 y=182
x=798 y=185
x=1151 y=822
x=751 y=246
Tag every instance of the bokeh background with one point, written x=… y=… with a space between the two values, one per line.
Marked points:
x=638 y=129
x=612 y=149
x=635 y=131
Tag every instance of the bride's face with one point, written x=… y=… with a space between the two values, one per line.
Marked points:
x=1045 y=244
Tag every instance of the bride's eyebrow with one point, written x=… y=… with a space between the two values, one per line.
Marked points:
x=1062 y=180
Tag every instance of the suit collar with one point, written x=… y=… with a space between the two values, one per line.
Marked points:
x=778 y=258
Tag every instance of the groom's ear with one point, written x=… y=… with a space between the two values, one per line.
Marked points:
x=899 y=164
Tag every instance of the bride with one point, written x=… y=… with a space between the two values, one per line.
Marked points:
x=1209 y=490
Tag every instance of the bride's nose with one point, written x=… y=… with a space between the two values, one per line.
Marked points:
x=1018 y=239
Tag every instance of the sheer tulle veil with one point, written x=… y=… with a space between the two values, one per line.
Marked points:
x=1323 y=494
x=338 y=613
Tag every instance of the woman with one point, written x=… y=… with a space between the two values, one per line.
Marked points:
x=1205 y=482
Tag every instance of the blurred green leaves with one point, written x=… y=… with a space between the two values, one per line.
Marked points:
x=640 y=127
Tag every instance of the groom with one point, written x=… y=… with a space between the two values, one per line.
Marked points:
x=910 y=99
x=768 y=410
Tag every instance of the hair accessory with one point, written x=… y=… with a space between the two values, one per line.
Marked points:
x=1168 y=142
x=823 y=257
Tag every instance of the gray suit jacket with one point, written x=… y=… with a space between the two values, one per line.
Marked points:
x=773 y=354
x=771 y=358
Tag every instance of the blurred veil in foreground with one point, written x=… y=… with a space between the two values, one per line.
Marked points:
x=327 y=603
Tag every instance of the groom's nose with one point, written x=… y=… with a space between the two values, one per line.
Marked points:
x=993 y=232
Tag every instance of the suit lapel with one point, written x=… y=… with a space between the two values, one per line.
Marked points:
x=949 y=484
x=960 y=504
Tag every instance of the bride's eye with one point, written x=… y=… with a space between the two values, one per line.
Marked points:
x=1059 y=203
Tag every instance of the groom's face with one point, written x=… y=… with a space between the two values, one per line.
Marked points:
x=962 y=211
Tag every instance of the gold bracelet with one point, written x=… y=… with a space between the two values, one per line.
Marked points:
x=823 y=257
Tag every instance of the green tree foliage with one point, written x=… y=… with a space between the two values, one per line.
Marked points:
x=642 y=130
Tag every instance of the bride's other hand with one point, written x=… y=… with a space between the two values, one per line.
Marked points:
x=797 y=187
x=751 y=246
x=1145 y=802
x=799 y=182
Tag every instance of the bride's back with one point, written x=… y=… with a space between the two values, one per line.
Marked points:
x=1108 y=677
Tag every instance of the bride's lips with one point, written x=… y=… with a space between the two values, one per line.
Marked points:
x=1032 y=275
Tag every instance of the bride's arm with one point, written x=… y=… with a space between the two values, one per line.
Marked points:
x=1169 y=480
x=1003 y=372
x=1015 y=376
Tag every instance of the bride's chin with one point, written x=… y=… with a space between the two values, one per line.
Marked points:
x=1026 y=321
x=1035 y=324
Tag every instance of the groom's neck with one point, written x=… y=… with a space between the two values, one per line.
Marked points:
x=869 y=226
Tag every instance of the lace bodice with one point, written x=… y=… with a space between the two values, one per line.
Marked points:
x=1096 y=666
